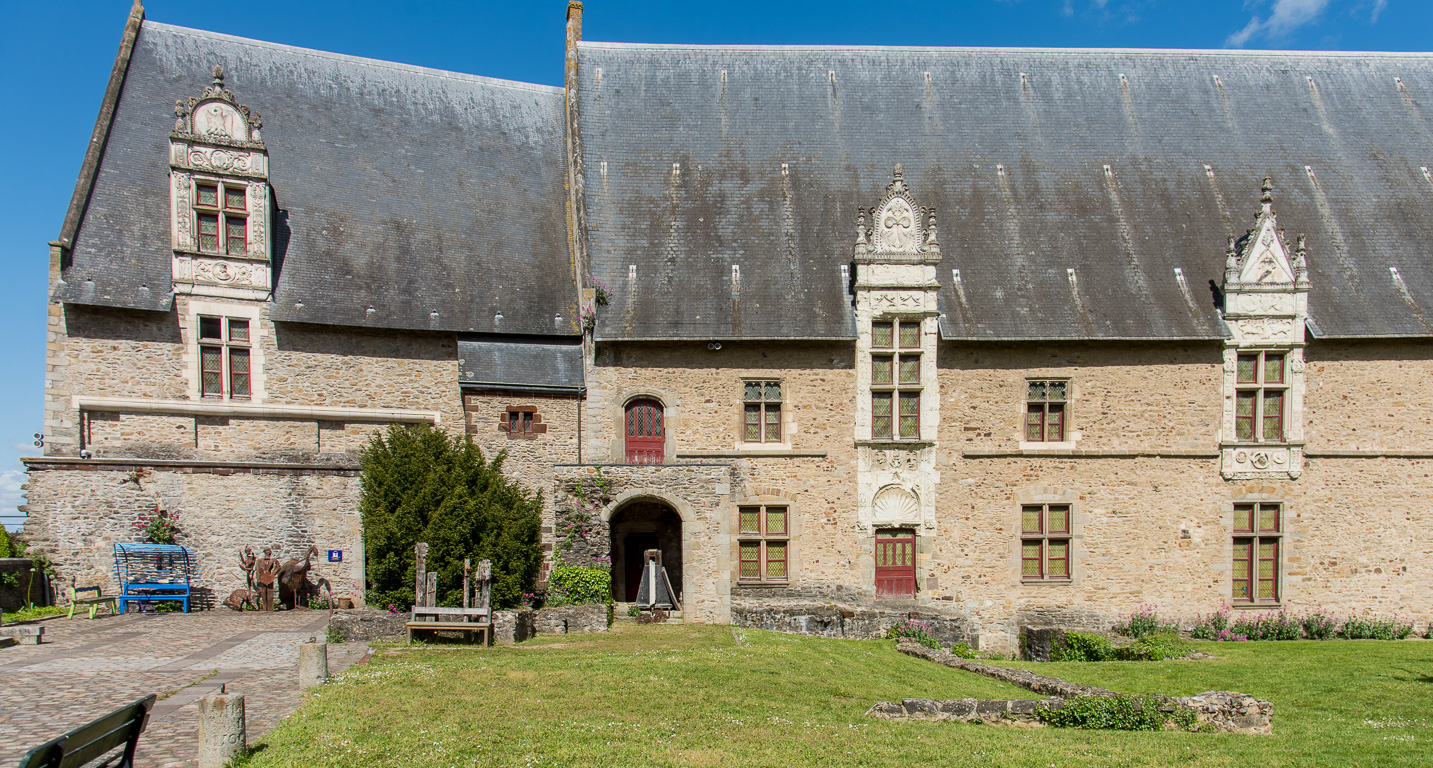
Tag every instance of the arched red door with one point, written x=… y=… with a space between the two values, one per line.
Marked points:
x=645 y=432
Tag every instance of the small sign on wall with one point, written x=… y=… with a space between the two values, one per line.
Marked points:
x=335 y=555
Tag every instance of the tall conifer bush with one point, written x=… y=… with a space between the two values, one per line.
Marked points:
x=419 y=484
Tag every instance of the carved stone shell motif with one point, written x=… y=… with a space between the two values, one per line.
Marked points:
x=895 y=503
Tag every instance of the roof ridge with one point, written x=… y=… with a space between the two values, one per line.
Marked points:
x=1232 y=52
x=383 y=63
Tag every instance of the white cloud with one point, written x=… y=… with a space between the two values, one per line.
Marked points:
x=10 y=493
x=1286 y=16
x=1378 y=6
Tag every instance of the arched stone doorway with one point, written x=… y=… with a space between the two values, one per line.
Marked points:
x=636 y=527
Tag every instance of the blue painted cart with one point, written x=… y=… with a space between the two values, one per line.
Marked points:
x=150 y=572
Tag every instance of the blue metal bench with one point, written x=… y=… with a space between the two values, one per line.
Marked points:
x=150 y=572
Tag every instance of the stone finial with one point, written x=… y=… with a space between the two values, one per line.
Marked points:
x=1231 y=261
x=1301 y=268
x=930 y=235
x=218 y=76
x=861 y=236
x=899 y=172
x=1266 y=196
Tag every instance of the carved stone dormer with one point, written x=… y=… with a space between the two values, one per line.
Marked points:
x=219 y=196
x=898 y=396
x=1266 y=292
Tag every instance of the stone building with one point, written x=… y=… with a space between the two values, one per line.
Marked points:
x=1000 y=336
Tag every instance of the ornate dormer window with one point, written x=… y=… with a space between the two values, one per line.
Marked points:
x=219 y=191
x=1266 y=289
x=899 y=398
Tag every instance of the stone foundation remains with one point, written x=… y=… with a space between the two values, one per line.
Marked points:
x=838 y=620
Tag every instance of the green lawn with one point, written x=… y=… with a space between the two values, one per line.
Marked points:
x=690 y=695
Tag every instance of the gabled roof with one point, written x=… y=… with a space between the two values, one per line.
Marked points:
x=1080 y=194
x=433 y=198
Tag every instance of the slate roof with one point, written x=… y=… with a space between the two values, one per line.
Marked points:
x=520 y=365
x=407 y=190
x=1122 y=166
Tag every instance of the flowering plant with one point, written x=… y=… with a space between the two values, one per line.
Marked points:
x=160 y=527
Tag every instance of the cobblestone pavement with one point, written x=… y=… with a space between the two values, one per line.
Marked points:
x=87 y=668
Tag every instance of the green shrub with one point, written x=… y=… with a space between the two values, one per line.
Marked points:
x=1319 y=625
x=962 y=650
x=7 y=547
x=915 y=629
x=1080 y=646
x=1214 y=626
x=1142 y=622
x=580 y=586
x=1375 y=628
x=1118 y=713
x=1158 y=646
x=419 y=484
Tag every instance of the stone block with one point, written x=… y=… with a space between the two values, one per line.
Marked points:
x=1040 y=643
x=511 y=627
x=25 y=634
x=358 y=626
x=922 y=708
x=957 y=709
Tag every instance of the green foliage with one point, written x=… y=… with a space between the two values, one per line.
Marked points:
x=1119 y=713
x=1375 y=628
x=421 y=485
x=335 y=635
x=1142 y=622
x=580 y=586
x=962 y=650
x=915 y=629
x=633 y=611
x=1156 y=646
x=1278 y=625
x=1080 y=646
x=159 y=528
x=1319 y=625
x=7 y=546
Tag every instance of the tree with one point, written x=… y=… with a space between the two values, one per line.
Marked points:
x=419 y=484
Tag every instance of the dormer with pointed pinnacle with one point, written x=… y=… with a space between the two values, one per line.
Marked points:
x=219 y=196
x=1266 y=291
x=898 y=397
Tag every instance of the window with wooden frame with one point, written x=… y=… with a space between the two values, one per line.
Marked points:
x=761 y=411
x=1046 y=410
x=224 y=358
x=1045 y=542
x=521 y=421
x=1257 y=537
x=764 y=542
x=1260 y=396
x=221 y=213
x=895 y=379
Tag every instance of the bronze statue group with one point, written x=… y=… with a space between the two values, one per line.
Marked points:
x=268 y=579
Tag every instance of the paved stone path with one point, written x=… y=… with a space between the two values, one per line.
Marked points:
x=87 y=668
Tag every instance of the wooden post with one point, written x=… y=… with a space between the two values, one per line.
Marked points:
x=420 y=579
x=432 y=592
x=467 y=579
x=485 y=584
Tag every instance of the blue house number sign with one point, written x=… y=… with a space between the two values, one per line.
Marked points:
x=335 y=555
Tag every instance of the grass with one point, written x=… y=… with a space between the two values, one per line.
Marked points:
x=693 y=695
x=36 y=612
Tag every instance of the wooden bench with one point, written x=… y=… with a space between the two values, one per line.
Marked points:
x=94 y=603
x=88 y=743
x=474 y=617
x=450 y=626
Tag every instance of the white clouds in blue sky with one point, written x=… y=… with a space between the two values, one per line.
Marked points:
x=1286 y=16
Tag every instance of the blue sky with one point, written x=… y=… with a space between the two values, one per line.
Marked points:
x=55 y=58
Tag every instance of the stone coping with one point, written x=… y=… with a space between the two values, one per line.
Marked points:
x=1089 y=453
x=754 y=453
x=66 y=462
x=253 y=410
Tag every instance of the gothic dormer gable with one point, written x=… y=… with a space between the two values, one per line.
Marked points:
x=1262 y=259
x=899 y=227
x=216 y=116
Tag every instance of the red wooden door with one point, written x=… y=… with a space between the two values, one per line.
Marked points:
x=645 y=434
x=896 y=563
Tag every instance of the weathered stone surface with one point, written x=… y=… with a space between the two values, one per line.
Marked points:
x=1040 y=643
x=841 y=620
x=570 y=619
x=1232 y=712
x=511 y=627
x=24 y=634
x=988 y=711
x=359 y=625
x=1042 y=684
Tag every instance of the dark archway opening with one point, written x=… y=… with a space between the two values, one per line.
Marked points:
x=637 y=527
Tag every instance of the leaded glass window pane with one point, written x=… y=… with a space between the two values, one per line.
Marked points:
x=1037 y=392
x=1059 y=520
x=239 y=372
x=1030 y=559
x=1248 y=370
x=1273 y=368
x=1035 y=423
x=1273 y=415
x=1244 y=518
x=910 y=335
x=773 y=391
x=881 y=335
x=1059 y=561
x=1057 y=391
x=1030 y=520
x=752 y=390
x=753 y=422
x=773 y=422
x=751 y=519
x=750 y=560
x=207 y=195
x=880 y=370
x=234 y=198
x=910 y=370
x=881 y=414
x=1268 y=517
x=235 y=236
x=1055 y=422
x=910 y=414
x=1244 y=416
x=238 y=330
x=209 y=233
x=212 y=362
x=776 y=521
x=775 y=560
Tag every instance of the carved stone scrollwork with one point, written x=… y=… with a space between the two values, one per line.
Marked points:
x=226 y=273
x=183 y=230
x=217 y=116
x=258 y=218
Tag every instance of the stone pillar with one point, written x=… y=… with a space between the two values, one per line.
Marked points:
x=313 y=665
x=221 y=729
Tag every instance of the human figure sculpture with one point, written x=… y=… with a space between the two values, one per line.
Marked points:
x=293 y=577
x=266 y=575
x=247 y=561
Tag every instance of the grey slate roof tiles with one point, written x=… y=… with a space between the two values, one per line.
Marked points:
x=522 y=365
x=436 y=199
x=777 y=147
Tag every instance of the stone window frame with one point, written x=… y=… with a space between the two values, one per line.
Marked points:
x=525 y=415
x=1022 y=409
x=1064 y=404
x=1045 y=495
x=898 y=390
x=617 y=418
x=1044 y=537
x=766 y=497
x=227 y=346
x=189 y=334
x=1260 y=386
x=1256 y=496
x=783 y=439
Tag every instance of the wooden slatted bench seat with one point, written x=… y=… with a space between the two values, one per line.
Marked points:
x=93 y=603
x=88 y=743
x=450 y=626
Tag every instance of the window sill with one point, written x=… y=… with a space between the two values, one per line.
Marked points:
x=762 y=584
x=895 y=443
x=1046 y=582
x=753 y=452
x=1255 y=606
